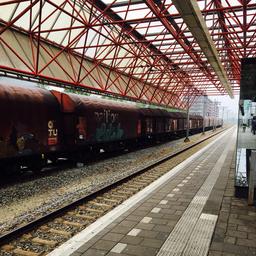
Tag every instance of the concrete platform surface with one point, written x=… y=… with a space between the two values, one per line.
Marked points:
x=190 y=211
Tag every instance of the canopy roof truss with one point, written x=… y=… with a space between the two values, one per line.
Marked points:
x=139 y=49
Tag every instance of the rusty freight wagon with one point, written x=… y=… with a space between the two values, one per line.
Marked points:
x=92 y=124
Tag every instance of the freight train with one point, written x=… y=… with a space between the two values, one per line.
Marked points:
x=38 y=125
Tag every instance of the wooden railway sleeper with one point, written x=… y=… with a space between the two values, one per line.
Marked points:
x=144 y=179
x=157 y=171
x=94 y=210
x=7 y=247
x=122 y=197
x=88 y=208
x=101 y=204
x=151 y=176
x=19 y=251
x=140 y=183
x=60 y=232
x=119 y=191
x=132 y=189
x=125 y=192
x=87 y=217
x=72 y=224
x=39 y=240
x=26 y=236
x=133 y=186
x=109 y=200
x=71 y=213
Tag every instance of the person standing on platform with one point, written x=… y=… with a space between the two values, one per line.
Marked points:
x=244 y=127
x=254 y=125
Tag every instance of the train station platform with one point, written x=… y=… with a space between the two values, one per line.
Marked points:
x=191 y=210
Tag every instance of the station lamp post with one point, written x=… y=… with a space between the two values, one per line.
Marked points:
x=204 y=103
x=214 y=116
x=222 y=115
x=187 y=132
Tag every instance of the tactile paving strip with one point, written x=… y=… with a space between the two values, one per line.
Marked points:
x=200 y=238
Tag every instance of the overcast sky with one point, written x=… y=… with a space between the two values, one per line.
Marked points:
x=230 y=105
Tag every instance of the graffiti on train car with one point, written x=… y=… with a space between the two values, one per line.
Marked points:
x=108 y=126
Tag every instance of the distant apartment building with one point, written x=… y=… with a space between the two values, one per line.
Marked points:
x=203 y=103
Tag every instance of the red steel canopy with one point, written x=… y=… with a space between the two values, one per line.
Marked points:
x=156 y=51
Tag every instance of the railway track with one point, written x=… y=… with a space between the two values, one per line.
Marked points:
x=48 y=232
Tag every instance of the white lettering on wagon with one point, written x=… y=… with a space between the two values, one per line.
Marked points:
x=52 y=133
x=106 y=116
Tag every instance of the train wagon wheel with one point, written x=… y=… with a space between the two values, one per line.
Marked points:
x=12 y=168
x=37 y=165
